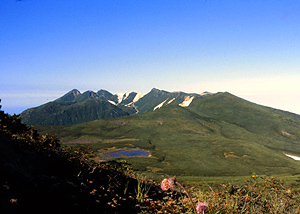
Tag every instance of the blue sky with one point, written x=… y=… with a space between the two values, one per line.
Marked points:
x=248 y=48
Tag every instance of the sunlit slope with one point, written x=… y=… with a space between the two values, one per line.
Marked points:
x=270 y=127
x=218 y=135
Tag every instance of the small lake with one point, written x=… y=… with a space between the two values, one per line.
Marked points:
x=125 y=152
x=129 y=153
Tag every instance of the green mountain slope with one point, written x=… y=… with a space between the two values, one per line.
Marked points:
x=71 y=112
x=217 y=135
x=255 y=119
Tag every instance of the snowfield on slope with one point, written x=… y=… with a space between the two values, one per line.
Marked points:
x=112 y=102
x=121 y=97
x=293 y=156
x=138 y=96
x=187 y=101
x=160 y=105
x=171 y=101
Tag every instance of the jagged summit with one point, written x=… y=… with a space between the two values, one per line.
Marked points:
x=76 y=107
x=155 y=90
x=70 y=96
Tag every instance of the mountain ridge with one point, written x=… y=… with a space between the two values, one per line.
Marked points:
x=102 y=104
x=75 y=107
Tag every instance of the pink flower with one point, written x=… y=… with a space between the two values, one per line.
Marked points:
x=165 y=185
x=173 y=183
x=168 y=184
x=201 y=207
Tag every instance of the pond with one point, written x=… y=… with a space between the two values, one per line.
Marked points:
x=130 y=153
x=124 y=152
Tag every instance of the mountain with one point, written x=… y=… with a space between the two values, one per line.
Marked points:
x=75 y=107
x=71 y=112
x=70 y=96
x=156 y=99
x=216 y=135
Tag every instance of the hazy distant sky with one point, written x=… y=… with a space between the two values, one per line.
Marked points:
x=249 y=48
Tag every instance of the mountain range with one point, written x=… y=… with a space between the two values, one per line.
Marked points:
x=75 y=107
x=190 y=135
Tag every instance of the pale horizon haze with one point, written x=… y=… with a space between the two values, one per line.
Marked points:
x=248 y=48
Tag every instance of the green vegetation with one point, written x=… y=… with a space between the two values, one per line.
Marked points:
x=256 y=195
x=218 y=135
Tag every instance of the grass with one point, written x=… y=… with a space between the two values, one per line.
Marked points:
x=256 y=195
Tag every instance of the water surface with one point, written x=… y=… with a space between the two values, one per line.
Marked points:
x=129 y=153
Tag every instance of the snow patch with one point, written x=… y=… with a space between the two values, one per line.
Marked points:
x=121 y=97
x=112 y=102
x=126 y=95
x=129 y=104
x=160 y=105
x=293 y=156
x=206 y=93
x=132 y=105
x=138 y=96
x=187 y=101
x=171 y=101
x=286 y=133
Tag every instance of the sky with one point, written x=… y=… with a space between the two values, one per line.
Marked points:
x=248 y=48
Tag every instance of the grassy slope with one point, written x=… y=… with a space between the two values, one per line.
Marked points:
x=276 y=129
x=220 y=135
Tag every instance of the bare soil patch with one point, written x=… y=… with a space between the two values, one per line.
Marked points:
x=78 y=142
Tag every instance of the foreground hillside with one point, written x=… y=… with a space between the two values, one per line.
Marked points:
x=218 y=135
x=38 y=176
